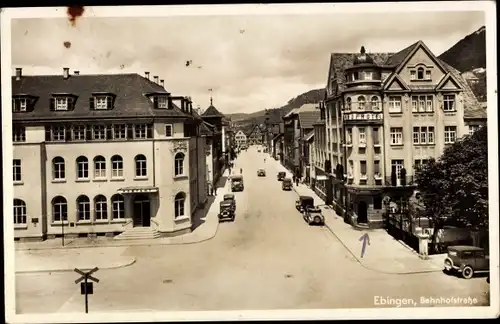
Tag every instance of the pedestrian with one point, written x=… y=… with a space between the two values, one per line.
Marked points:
x=215 y=190
x=294 y=178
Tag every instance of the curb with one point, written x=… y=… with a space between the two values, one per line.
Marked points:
x=128 y=263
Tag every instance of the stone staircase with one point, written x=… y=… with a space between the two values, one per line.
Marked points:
x=138 y=233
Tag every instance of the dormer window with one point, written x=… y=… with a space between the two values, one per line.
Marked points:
x=162 y=102
x=428 y=74
x=420 y=73
x=101 y=102
x=413 y=75
x=19 y=104
x=62 y=102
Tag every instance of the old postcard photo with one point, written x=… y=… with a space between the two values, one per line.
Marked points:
x=228 y=162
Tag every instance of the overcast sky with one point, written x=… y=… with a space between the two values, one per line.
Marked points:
x=250 y=62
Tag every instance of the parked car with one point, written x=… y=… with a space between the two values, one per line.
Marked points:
x=231 y=199
x=467 y=260
x=303 y=203
x=261 y=173
x=226 y=211
x=286 y=184
x=313 y=216
x=281 y=176
x=237 y=183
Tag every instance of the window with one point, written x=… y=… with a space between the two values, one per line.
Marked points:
x=395 y=104
x=140 y=131
x=420 y=162
x=19 y=212
x=180 y=199
x=397 y=165
x=420 y=73
x=429 y=107
x=361 y=103
x=179 y=164
x=101 y=103
x=99 y=167
x=413 y=75
x=83 y=208
x=19 y=104
x=119 y=131
x=473 y=129
x=58 y=168
x=423 y=135
x=59 y=209
x=82 y=167
x=416 y=135
x=430 y=135
x=162 y=102
x=362 y=135
x=450 y=134
x=140 y=166
x=116 y=166
x=428 y=75
x=367 y=75
x=58 y=133
x=376 y=167
x=396 y=136
x=99 y=132
x=168 y=130
x=449 y=102
x=351 y=167
x=61 y=103
x=16 y=169
x=117 y=207
x=374 y=103
x=349 y=136
x=100 y=208
x=348 y=104
x=377 y=202
x=18 y=134
x=362 y=166
x=79 y=132
x=376 y=139
x=421 y=103
x=414 y=103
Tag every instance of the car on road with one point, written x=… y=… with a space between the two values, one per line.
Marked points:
x=226 y=211
x=281 y=176
x=286 y=184
x=303 y=203
x=237 y=183
x=261 y=173
x=313 y=216
x=467 y=260
x=230 y=198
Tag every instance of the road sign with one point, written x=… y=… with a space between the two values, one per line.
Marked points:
x=86 y=288
x=86 y=275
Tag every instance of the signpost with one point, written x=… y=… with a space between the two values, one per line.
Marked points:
x=86 y=288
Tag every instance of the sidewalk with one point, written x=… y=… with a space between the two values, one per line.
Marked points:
x=384 y=254
x=205 y=231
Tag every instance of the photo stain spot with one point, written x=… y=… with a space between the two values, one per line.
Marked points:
x=74 y=12
x=167 y=281
x=67 y=44
x=288 y=276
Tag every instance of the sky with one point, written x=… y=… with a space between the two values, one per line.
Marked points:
x=251 y=62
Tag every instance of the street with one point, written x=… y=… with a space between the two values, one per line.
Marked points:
x=268 y=258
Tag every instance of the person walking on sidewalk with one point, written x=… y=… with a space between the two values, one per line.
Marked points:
x=215 y=190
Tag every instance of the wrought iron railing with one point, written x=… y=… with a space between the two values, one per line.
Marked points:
x=400 y=182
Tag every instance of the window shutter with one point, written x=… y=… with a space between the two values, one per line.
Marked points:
x=89 y=132
x=109 y=132
x=47 y=133
x=52 y=103
x=169 y=102
x=130 y=131
x=91 y=103
x=149 y=131
x=71 y=103
x=109 y=102
x=155 y=102
x=67 y=129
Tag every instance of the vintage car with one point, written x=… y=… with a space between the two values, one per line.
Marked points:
x=303 y=203
x=237 y=183
x=313 y=216
x=226 y=210
x=467 y=260
x=281 y=176
x=286 y=184
x=261 y=173
x=230 y=198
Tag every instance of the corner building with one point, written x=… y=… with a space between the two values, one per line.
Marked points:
x=104 y=155
x=386 y=114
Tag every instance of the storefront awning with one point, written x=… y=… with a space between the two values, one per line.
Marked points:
x=129 y=190
x=321 y=177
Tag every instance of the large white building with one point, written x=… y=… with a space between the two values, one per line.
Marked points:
x=240 y=138
x=102 y=155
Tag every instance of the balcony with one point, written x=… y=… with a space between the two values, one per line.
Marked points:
x=362 y=144
x=377 y=176
x=347 y=144
x=408 y=181
x=377 y=143
x=363 y=177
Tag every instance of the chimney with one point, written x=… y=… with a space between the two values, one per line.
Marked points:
x=66 y=73
x=183 y=104
x=155 y=79
x=76 y=72
x=147 y=75
x=162 y=83
x=190 y=103
x=19 y=73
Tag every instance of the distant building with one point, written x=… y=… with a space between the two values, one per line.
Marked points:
x=240 y=138
x=319 y=162
x=256 y=135
x=103 y=154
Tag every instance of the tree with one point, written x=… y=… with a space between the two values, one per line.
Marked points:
x=454 y=188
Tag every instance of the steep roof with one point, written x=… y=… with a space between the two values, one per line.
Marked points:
x=308 y=118
x=309 y=135
x=206 y=129
x=397 y=58
x=129 y=89
x=212 y=112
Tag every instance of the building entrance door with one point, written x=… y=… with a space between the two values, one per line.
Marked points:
x=362 y=213
x=142 y=211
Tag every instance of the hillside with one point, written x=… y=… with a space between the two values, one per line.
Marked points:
x=469 y=53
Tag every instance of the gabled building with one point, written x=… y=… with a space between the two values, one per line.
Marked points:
x=256 y=135
x=319 y=163
x=103 y=154
x=385 y=115
x=240 y=139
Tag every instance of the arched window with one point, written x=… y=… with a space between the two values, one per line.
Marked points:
x=420 y=73
x=361 y=103
x=19 y=211
x=374 y=103
x=140 y=166
x=99 y=167
x=118 y=207
x=59 y=209
x=100 y=208
x=83 y=208
x=180 y=199
x=82 y=167
x=58 y=168
x=348 y=104
x=179 y=164
x=116 y=166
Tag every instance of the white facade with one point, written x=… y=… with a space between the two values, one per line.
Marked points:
x=240 y=138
